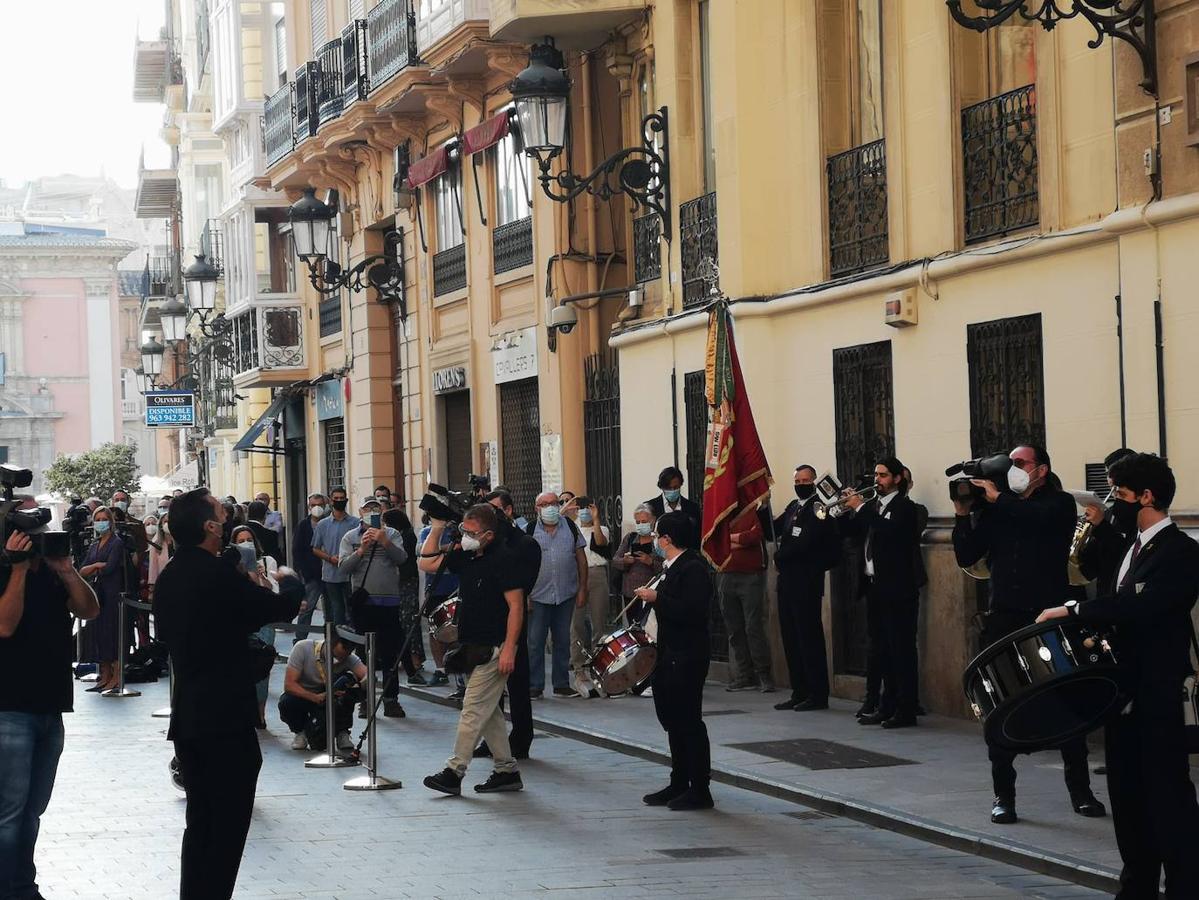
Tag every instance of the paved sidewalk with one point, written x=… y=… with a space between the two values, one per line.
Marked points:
x=937 y=786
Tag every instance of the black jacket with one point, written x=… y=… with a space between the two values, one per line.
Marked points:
x=1101 y=556
x=683 y=607
x=1152 y=615
x=205 y=611
x=1027 y=544
x=304 y=560
x=526 y=552
x=803 y=559
x=894 y=538
x=269 y=540
x=687 y=506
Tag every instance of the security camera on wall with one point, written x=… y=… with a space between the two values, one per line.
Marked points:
x=563 y=319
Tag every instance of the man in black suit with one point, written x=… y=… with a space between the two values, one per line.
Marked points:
x=1112 y=533
x=889 y=530
x=1148 y=776
x=807 y=548
x=670 y=480
x=268 y=538
x=682 y=601
x=204 y=608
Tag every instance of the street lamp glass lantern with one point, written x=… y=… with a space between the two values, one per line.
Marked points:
x=200 y=280
x=540 y=93
x=152 y=352
x=311 y=224
x=173 y=316
x=143 y=380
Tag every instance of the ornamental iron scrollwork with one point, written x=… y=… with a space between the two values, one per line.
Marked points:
x=697 y=234
x=999 y=164
x=601 y=436
x=857 y=209
x=1007 y=384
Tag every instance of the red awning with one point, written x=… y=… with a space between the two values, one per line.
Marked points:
x=427 y=168
x=486 y=135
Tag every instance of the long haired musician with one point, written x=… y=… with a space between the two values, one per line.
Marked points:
x=1024 y=529
x=682 y=601
x=1148 y=774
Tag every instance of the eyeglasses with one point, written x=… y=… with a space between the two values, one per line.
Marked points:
x=474 y=534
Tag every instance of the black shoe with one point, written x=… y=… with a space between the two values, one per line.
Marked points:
x=692 y=798
x=458 y=694
x=876 y=718
x=868 y=708
x=534 y=694
x=1088 y=805
x=500 y=782
x=439 y=677
x=789 y=703
x=482 y=751
x=416 y=678
x=568 y=692
x=393 y=710
x=447 y=781
x=664 y=796
x=899 y=720
x=810 y=704
x=1003 y=811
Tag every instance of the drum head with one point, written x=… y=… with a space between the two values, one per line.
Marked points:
x=1057 y=712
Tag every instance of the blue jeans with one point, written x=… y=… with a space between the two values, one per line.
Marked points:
x=30 y=745
x=312 y=595
x=546 y=619
x=336 y=595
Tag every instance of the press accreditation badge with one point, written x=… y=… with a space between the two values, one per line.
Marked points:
x=796 y=531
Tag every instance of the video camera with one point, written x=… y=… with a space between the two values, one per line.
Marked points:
x=446 y=505
x=986 y=468
x=52 y=544
x=479 y=484
x=346 y=688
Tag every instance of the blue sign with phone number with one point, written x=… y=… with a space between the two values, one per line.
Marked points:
x=170 y=408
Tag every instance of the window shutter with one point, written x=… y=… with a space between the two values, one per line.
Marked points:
x=281 y=51
x=357 y=9
x=320 y=25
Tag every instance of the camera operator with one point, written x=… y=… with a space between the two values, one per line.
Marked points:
x=38 y=595
x=204 y=608
x=302 y=706
x=1024 y=530
x=120 y=503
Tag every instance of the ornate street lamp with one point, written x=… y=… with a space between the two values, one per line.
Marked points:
x=173 y=316
x=642 y=172
x=152 y=352
x=199 y=280
x=143 y=380
x=311 y=222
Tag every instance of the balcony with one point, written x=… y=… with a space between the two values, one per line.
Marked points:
x=267 y=342
x=155 y=68
x=437 y=18
x=390 y=40
x=157 y=192
x=697 y=237
x=158 y=283
x=131 y=409
x=354 y=83
x=328 y=83
x=857 y=209
x=211 y=244
x=999 y=164
x=449 y=270
x=278 y=124
x=203 y=37
x=511 y=246
x=307 y=106
x=647 y=251
x=572 y=24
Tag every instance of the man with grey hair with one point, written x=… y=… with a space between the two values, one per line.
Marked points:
x=561 y=587
x=306 y=564
x=274 y=518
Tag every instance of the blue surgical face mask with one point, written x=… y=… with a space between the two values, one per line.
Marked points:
x=101 y=527
x=163 y=510
x=644 y=528
x=584 y=517
x=550 y=515
x=672 y=494
x=658 y=551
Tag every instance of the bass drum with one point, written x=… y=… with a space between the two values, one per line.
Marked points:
x=1041 y=686
x=623 y=659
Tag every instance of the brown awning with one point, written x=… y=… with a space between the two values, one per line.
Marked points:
x=429 y=167
x=487 y=134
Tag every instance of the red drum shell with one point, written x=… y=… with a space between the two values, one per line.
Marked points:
x=443 y=621
x=623 y=659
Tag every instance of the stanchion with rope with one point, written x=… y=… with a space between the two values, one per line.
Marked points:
x=330 y=758
x=120 y=690
x=371 y=781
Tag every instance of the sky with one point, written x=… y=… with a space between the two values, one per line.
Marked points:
x=66 y=89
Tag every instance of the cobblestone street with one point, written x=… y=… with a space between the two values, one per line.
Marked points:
x=578 y=830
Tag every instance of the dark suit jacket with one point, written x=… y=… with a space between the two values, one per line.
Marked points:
x=802 y=560
x=894 y=544
x=269 y=540
x=205 y=612
x=1152 y=615
x=1102 y=555
x=683 y=606
x=686 y=505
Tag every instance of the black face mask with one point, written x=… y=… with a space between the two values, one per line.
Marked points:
x=340 y=505
x=1124 y=514
x=804 y=491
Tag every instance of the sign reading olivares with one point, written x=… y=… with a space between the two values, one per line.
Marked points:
x=171 y=409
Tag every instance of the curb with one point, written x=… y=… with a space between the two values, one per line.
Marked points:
x=1025 y=856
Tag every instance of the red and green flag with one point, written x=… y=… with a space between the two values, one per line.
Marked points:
x=736 y=474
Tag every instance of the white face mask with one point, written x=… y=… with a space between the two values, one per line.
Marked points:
x=248 y=545
x=470 y=544
x=151 y=530
x=644 y=528
x=122 y=505
x=318 y=511
x=1017 y=480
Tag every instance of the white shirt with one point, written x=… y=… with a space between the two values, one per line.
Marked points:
x=882 y=505
x=667 y=506
x=1144 y=537
x=593 y=558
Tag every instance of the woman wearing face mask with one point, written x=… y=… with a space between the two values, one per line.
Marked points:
x=261 y=570
x=103 y=566
x=636 y=561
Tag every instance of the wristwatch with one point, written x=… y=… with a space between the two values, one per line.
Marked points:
x=1071 y=607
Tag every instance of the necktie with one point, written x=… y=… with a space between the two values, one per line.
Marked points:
x=1136 y=550
x=870 y=538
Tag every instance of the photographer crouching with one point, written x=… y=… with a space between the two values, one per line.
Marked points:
x=302 y=706
x=39 y=592
x=204 y=608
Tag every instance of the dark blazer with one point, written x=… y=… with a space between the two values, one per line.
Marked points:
x=1102 y=555
x=894 y=540
x=1152 y=615
x=205 y=611
x=802 y=560
x=686 y=505
x=683 y=606
x=269 y=540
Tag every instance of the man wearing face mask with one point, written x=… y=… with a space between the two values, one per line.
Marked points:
x=561 y=588
x=1113 y=530
x=383 y=495
x=326 y=545
x=307 y=563
x=807 y=548
x=670 y=481
x=120 y=503
x=1024 y=531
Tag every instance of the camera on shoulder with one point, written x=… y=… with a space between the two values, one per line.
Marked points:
x=445 y=505
x=32 y=522
x=992 y=468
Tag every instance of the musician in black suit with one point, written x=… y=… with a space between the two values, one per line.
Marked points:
x=682 y=601
x=1024 y=530
x=807 y=547
x=670 y=480
x=204 y=609
x=1112 y=532
x=1153 y=798
x=888 y=528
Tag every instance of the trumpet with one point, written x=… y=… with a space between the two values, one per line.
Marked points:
x=839 y=507
x=1082 y=535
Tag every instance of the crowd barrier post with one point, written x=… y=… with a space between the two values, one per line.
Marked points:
x=330 y=759
x=122 y=643
x=371 y=781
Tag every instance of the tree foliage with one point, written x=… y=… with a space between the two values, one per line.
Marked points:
x=99 y=472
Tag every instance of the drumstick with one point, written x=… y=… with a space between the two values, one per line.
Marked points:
x=651 y=584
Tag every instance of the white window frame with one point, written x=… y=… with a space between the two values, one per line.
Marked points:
x=511 y=200
x=447 y=197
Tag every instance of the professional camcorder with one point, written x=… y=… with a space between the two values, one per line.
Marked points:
x=29 y=521
x=985 y=468
x=347 y=689
x=479 y=484
x=446 y=505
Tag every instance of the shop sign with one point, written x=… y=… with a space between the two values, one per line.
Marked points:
x=516 y=357
x=330 y=401
x=450 y=379
x=172 y=409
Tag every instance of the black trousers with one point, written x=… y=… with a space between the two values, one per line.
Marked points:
x=388 y=640
x=520 y=706
x=801 y=628
x=892 y=663
x=1153 y=803
x=220 y=775
x=678 y=701
x=303 y=715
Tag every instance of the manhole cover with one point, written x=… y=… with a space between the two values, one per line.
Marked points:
x=700 y=852
x=808 y=815
x=813 y=753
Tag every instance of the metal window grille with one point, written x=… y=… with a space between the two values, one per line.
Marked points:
x=390 y=39
x=278 y=124
x=857 y=208
x=211 y=244
x=335 y=453
x=647 y=257
x=999 y=164
x=449 y=270
x=245 y=341
x=353 y=62
x=695 y=411
x=456 y=409
x=520 y=434
x=330 y=315
x=601 y=436
x=511 y=246
x=697 y=232
x=329 y=87
x=1007 y=384
x=307 y=106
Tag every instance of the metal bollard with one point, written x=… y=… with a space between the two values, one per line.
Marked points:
x=371 y=781
x=329 y=759
x=120 y=690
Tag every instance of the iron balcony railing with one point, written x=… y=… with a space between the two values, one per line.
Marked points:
x=999 y=164
x=307 y=105
x=279 y=127
x=328 y=83
x=203 y=37
x=697 y=234
x=647 y=255
x=354 y=82
x=211 y=244
x=390 y=40
x=857 y=208
x=511 y=246
x=449 y=270
x=245 y=341
x=159 y=276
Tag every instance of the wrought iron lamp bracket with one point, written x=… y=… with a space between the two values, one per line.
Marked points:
x=382 y=271
x=1131 y=21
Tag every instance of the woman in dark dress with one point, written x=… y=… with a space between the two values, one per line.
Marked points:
x=104 y=568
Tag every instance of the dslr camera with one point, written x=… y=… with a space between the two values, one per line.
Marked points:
x=448 y=506
x=347 y=689
x=992 y=468
x=53 y=544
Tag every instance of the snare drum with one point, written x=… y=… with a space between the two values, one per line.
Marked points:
x=623 y=659
x=1043 y=685
x=443 y=621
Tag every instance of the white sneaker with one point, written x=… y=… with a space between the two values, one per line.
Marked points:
x=648 y=692
x=343 y=741
x=299 y=741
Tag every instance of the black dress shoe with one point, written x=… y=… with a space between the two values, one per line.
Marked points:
x=447 y=781
x=789 y=703
x=810 y=704
x=1088 y=805
x=1003 y=811
x=664 y=796
x=692 y=798
x=899 y=721
x=875 y=718
x=868 y=708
